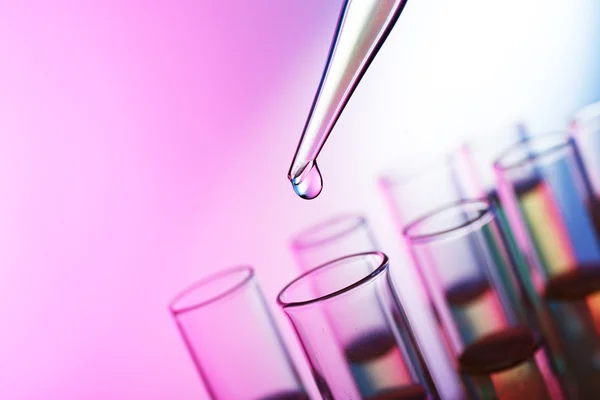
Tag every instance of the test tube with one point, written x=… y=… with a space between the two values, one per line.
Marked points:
x=349 y=234
x=465 y=173
x=499 y=351
x=353 y=331
x=478 y=156
x=410 y=195
x=553 y=212
x=233 y=341
x=332 y=238
x=586 y=131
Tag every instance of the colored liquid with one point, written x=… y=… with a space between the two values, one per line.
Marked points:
x=563 y=229
x=379 y=369
x=594 y=208
x=573 y=300
x=287 y=395
x=498 y=351
x=498 y=360
x=574 y=285
x=505 y=365
x=413 y=391
x=511 y=268
x=476 y=309
x=560 y=225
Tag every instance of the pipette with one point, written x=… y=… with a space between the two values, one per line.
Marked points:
x=363 y=26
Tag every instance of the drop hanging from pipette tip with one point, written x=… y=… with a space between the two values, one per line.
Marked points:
x=309 y=183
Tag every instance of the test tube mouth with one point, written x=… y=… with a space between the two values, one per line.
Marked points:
x=299 y=292
x=211 y=289
x=534 y=150
x=450 y=221
x=328 y=231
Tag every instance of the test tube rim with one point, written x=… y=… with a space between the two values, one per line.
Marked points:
x=564 y=142
x=383 y=266
x=485 y=215
x=299 y=241
x=247 y=271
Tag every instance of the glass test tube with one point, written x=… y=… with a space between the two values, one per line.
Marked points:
x=499 y=351
x=353 y=331
x=410 y=196
x=463 y=174
x=586 y=131
x=553 y=212
x=349 y=234
x=476 y=179
x=233 y=340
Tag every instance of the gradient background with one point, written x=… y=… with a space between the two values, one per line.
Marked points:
x=144 y=145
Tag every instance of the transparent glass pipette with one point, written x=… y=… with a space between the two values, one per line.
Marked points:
x=362 y=28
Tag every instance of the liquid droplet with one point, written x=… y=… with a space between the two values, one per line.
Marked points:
x=309 y=183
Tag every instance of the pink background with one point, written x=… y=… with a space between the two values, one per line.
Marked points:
x=144 y=145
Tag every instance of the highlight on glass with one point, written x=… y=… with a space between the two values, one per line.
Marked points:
x=354 y=331
x=499 y=350
x=554 y=214
x=332 y=238
x=233 y=340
